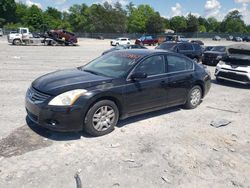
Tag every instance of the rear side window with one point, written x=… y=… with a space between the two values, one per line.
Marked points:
x=197 y=46
x=176 y=64
x=185 y=47
x=123 y=39
x=152 y=65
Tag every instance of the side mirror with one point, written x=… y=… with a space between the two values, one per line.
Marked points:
x=138 y=75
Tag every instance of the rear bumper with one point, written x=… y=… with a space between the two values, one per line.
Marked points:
x=63 y=119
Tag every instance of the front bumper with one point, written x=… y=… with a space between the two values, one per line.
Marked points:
x=64 y=119
x=210 y=61
x=232 y=75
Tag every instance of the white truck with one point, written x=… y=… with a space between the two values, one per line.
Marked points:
x=24 y=37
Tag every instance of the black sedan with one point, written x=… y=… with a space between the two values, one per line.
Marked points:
x=115 y=86
x=124 y=47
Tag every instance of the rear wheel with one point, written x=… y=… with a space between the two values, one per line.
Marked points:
x=101 y=118
x=17 y=42
x=194 y=97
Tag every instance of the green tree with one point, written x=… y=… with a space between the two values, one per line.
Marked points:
x=213 y=25
x=21 y=13
x=192 y=23
x=139 y=17
x=53 y=13
x=233 y=23
x=78 y=17
x=7 y=10
x=34 y=18
x=178 y=23
x=155 y=24
x=202 y=29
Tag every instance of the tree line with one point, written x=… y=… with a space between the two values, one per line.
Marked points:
x=108 y=18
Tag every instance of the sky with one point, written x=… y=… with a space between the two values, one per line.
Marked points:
x=167 y=8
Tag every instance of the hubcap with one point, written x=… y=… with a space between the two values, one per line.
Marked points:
x=195 y=97
x=103 y=118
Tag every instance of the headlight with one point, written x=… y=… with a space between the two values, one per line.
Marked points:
x=67 y=98
x=219 y=57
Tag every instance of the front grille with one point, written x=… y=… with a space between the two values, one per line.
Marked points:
x=234 y=76
x=37 y=96
x=234 y=70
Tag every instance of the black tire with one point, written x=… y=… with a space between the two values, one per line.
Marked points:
x=89 y=124
x=17 y=42
x=191 y=103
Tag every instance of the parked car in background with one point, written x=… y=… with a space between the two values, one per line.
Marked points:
x=120 y=41
x=191 y=50
x=63 y=35
x=198 y=42
x=237 y=39
x=147 y=40
x=1 y=32
x=124 y=47
x=13 y=31
x=181 y=38
x=236 y=67
x=115 y=86
x=208 y=48
x=213 y=56
x=217 y=38
x=246 y=39
x=229 y=38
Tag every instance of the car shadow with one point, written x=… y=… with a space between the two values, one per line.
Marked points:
x=147 y=116
x=53 y=135
x=230 y=84
x=67 y=136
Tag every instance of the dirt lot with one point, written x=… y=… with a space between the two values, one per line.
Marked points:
x=168 y=148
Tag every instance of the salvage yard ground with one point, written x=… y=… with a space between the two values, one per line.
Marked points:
x=168 y=148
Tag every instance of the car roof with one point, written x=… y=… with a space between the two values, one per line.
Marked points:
x=145 y=52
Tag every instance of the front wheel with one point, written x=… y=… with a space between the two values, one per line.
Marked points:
x=17 y=42
x=194 y=97
x=101 y=118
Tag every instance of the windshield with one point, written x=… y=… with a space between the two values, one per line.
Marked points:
x=115 y=64
x=166 y=46
x=219 y=49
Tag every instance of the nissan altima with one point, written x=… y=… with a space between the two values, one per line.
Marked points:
x=115 y=86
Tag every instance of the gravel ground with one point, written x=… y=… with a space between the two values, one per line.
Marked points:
x=167 y=148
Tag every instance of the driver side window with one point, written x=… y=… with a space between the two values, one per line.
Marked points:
x=152 y=66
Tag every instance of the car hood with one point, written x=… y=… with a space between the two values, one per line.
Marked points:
x=61 y=81
x=215 y=53
x=238 y=54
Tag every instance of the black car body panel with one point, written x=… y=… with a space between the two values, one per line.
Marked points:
x=213 y=56
x=191 y=50
x=131 y=96
x=58 y=82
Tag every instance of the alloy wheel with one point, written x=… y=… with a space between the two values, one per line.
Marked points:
x=195 y=97
x=103 y=118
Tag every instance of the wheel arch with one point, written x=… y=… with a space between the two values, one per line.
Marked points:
x=114 y=99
